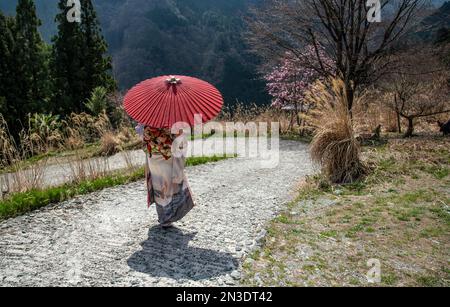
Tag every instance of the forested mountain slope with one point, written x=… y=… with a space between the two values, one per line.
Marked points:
x=147 y=38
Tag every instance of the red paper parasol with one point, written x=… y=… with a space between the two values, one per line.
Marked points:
x=163 y=101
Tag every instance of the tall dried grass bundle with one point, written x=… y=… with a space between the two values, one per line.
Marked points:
x=334 y=146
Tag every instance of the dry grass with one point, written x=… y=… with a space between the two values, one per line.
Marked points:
x=110 y=144
x=127 y=135
x=89 y=169
x=373 y=112
x=260 y=114
x=8 y=148
x=12 y=154
x=127 y=157
x=334 y=146
x=81 y=129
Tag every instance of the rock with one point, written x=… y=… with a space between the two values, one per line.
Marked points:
x=156 y=280
x=235 y=275
x=338 y=192
x=258 y=280
x=220 y=281
x=229 y=281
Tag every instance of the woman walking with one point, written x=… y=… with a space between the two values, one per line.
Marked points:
x=161 y=104
x=167 y=185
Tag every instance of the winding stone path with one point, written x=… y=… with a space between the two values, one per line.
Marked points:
x=110 y=238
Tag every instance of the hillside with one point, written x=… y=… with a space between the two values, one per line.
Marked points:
x=435 y=22
x=146 y=38
x=202 y=38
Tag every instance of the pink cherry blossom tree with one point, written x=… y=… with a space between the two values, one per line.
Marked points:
x=289 y=81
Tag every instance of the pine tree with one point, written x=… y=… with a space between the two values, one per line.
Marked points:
x=31 y=72
x=97 y=65
x=6 y=71
x=24 y=77
x=80 y=63
x=67 y=70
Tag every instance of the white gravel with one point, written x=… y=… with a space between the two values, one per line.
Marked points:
x=110 y=238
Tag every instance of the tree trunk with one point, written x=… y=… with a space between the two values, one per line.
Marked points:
x=296 y=115
x=350 y=93
x=291 y=123
x=399 y=122
x=301 y=126
x=410 y=131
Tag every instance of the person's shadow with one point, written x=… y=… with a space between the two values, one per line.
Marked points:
x=166 y=254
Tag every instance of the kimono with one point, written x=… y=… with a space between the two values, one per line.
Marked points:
x=167 y=185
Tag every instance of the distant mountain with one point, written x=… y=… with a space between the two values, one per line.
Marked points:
x=146 y=38
x=437 y=3
x=202 y=38
x=434 y=23
x=440 y=18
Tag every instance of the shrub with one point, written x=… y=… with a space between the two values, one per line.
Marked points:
x=334 y=146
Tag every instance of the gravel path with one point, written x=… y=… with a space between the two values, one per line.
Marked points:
x=110 y=238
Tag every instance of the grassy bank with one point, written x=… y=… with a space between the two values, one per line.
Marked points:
x=20 y=203
x=66 y=155
x=399 y=215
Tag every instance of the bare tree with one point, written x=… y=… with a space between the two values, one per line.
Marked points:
x=419 y=88
x=341 y=27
